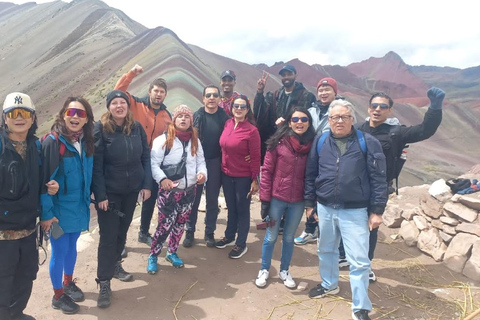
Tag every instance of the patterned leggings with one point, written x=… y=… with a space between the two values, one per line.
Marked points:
x=174 y=208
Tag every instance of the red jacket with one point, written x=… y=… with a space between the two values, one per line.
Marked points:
x=283 y=174
x=238 y=143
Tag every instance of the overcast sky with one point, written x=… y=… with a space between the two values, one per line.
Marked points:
x=423 y=32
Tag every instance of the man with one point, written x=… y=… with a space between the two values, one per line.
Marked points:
x=154 y=117
x=327 y=89
x=19 y=204
x=227 y=84
x=270 y=110
x=394 y=138
x=209 y=122
x=346 y=175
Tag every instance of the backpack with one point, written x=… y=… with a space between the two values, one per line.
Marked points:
x=62 y=146
x=458 y=184
x=360 y=138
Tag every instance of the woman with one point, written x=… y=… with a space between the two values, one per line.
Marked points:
x=121 y=170
x=239 y=139
x=281 y=189
x=175 y=198
x=67 y=161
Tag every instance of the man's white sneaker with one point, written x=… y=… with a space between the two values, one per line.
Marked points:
x=262 y=277
x=286 y=277
x=371 y=276
x=343 y=263
x=305 y=238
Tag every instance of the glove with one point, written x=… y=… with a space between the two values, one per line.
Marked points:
x=265 y=209
x=436 y=96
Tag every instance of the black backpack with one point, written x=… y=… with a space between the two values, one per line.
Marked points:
x=458 y=184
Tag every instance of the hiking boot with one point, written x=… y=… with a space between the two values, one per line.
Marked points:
x=124 y=253
x=360 y=315
x=145 y=238
x=66 y=304
x=343 y=263
x=305 y=238
x=152 y=267
x=210 y=240
x=371 y=276
x=73 y=291
x=105 y=294
x=319 y=292
x=286 y=277
x=22 y=316
x=224 y=242
x=174 y=260
x=121 y=274
x=237 y=252
x=189 y=238
x=262 y=277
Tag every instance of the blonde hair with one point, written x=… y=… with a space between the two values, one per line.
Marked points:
x=109 y=124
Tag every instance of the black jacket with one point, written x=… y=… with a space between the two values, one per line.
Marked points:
x=121 y=163
x=19 y=185
x=199 y=121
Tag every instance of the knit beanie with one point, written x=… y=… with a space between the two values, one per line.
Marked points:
x=117 y=94
x=182 y=109
x=328 y=82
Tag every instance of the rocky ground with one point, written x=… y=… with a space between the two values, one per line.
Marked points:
x=211 y=286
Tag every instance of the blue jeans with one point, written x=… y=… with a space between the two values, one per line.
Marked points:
x=293 y=215
x=352 y=226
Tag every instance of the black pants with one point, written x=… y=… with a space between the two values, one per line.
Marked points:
x=212 y=190
x=235 y=191
x=148 y=207
x=18 y=269
x=372 y=244
x=113 y=233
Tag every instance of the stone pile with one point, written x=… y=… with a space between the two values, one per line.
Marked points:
x=442 y=225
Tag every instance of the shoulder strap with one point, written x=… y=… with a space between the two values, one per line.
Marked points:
x=1 y=144
x=360 y=138
x=321 y=141
x=61 y=145
x=167 y=149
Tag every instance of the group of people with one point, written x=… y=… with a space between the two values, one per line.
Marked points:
x=302 y=153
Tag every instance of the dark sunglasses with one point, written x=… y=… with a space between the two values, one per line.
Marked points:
x=240 y=106
x=70 y=112
x=381 y=105
x=302 y=119
x=24 y=113
x=208 y=95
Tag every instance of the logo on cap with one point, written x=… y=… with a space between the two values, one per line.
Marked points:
x=18 y=100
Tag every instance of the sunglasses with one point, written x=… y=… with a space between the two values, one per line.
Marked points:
x=24 y=113
x=302 y=119
x=208 y=95
x=240 y=106
x=381 y=105
x=70 y=112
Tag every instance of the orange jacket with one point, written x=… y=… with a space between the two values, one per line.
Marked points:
x=154 y=125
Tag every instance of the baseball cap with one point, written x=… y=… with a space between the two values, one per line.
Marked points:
x=287 y=67
x=18 y=100
x=228 y=73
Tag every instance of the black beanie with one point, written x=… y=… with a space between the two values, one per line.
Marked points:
x=116 y=94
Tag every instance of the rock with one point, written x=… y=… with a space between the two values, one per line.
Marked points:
x=472 y=266
x=420 y=222
x=461 y=211
x=430 y=206
x=449 y=229
x=431 y=243
x=437 y=224
x=408 y=214
x=440 y=191
x=409 y=232
x=471 y=201
x=458 y=251
x=449 y=220
x=472 y=228
x=302 y=286
x=456 y=197
x=392 y=217
x=445 y=236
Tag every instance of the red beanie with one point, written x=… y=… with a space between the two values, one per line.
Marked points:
x=328 y=82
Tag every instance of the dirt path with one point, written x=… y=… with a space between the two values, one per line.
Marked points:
x=212 y=286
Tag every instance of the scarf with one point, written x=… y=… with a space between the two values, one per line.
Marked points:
x=295 y=143
x=184 y=135
x=75 y=136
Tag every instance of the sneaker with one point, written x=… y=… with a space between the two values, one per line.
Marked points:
x=66 y=304
x=237 y=252
x=371 y=276
x=319 y=292
x=343 y=263
x=286 y=277
x=124 y=253
x=152 y=266
x=262 y=277
x=105 y=294
x=73 y=291
x=188 y=241
x=145 y=238
x=210 y=240
x=360 y=315
x=174 y=260
x=305 y=238
x=224 y=242
x=121 y=274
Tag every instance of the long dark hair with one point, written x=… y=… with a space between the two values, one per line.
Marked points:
x=249 y=116
x=285 y=129
x=60 y=126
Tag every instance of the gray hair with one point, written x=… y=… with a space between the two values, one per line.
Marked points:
x=343 y=103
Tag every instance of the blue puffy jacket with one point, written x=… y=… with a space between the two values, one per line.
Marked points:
x=352 y=180
x=73 y=172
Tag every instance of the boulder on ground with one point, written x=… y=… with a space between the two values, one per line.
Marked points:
x=392 y=217
x=430 y=206
x=420 y=222
x=431 y=243
x=408 y=214
x=472 y=228
x=409 y=232
x=460 y=211
x=472 y=266
x=449 y=220
x=471 y=201
x=440 y=191
x=458 y=251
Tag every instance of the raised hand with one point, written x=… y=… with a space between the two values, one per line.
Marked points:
x=137 y=69
x=436 y=96
x=262 y=82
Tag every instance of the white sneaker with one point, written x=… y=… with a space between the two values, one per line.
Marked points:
x=286 y=277
x=262 y=277
x=371 y=276
x=343 y=263
x=305 y=238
